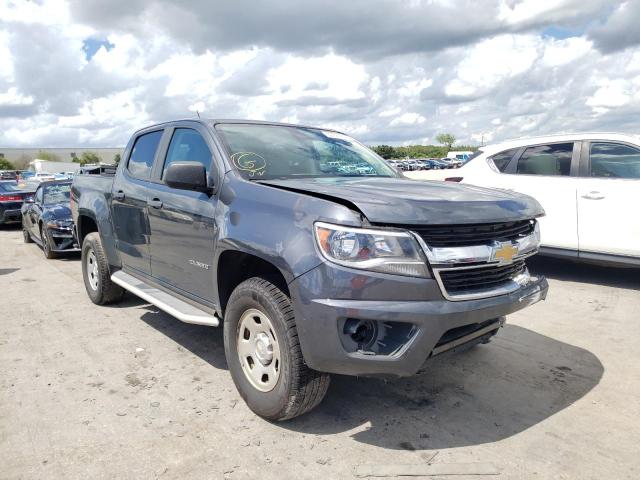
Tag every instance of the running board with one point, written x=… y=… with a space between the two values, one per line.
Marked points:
x=173 y=306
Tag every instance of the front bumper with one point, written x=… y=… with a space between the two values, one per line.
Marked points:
x=62 y=240
x=328 y=296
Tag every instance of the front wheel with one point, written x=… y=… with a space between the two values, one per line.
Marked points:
x=263 y=353
x=26 y=236
x=95 y=272
x=46 y=244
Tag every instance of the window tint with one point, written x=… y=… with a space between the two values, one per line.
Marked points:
x=502 y=159
x=143 y=153
x=613 y=160
x=546 y=160
x=187 y=145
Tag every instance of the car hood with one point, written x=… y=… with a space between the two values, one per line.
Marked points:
x=59 y=211
x=404 y=201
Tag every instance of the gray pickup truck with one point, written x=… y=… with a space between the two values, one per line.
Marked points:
x=315 y=255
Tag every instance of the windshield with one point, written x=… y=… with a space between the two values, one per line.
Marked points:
x=270 y=151
x=57 y=193
x=9 y=187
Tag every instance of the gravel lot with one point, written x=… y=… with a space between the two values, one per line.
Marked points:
x=129 y=392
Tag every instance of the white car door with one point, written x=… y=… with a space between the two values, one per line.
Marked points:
x=545 y=173
x=608 y=199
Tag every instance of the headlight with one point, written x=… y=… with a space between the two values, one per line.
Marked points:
x=376 y=250
x=60 y=224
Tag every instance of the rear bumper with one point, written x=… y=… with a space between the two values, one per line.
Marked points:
x=10 y=216
x=425 y=327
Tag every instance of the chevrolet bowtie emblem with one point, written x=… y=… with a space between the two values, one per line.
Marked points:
x=505 y=252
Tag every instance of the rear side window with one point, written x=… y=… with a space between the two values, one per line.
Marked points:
x=502 y=159
x=143 y=153
x=613 y=160
x=550 y=160
x=187 y=145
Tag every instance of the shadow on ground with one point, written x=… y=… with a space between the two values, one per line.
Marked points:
x=484 y=395
x=580 y=272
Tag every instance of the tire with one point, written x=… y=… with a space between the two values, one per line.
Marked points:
x=298 y=389
x=95 y=272
x=26 y=236
x=46 y=244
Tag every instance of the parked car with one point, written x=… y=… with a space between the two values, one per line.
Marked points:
x=588 y=185
x=8 y=175
x=311 y=273
x=431 y=164
x=11 y=199
x=46 y=218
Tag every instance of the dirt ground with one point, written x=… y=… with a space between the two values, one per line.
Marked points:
x=129 y=392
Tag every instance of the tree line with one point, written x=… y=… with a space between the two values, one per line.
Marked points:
x=423 y=151
x=22 y=162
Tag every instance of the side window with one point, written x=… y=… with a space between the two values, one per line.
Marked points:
x=39 y=195
x=143 y=153
x=613 y=160
x=502 y=159
x=551 y=160
x=187 y=145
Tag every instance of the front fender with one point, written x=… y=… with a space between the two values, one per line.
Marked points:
x=94 y=205
x=275 y=225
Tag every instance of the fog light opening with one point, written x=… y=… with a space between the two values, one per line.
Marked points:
x=362 y=332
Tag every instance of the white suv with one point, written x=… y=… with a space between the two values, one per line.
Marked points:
x=588 y=184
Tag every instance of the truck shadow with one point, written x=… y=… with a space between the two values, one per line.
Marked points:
x=487 y=394
x=483 y=395
x=580 y=272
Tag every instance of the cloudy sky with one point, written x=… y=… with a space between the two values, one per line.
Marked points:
x=89 y=72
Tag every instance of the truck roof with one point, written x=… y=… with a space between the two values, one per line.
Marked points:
x=215 y=121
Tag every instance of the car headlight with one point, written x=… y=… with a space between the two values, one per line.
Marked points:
x=60 y=224
x=368 y=249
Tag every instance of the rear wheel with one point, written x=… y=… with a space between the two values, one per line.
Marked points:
x=95 y=272
x=263 y=353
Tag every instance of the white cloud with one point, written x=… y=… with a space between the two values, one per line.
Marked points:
x=409 y=118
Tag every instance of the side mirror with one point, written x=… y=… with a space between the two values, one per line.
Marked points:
x=187 y=176
x=29 y=199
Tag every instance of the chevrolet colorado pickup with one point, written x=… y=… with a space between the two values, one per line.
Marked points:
x=315 y=255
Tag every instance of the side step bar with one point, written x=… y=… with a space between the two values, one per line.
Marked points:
x=173 y=306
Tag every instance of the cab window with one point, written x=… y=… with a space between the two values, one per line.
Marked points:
x=187 y=145
x=143 y=153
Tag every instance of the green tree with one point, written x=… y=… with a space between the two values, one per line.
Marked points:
x=6 y=164
x=44 y=155
x=385 y=151
x=447 y=139
x=116 y=158
x=88 y=157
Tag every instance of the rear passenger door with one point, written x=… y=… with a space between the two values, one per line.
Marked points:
x=608 y=198
x=129 y=203
x=547 y=173
x=182 y=222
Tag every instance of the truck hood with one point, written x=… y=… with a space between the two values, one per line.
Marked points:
x=401 y=201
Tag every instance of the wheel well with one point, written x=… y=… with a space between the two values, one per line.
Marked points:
x=236 y=267
x=86 y=225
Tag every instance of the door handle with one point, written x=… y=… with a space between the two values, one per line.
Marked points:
x=119 y=195
x=593 y=195
x=155 y=203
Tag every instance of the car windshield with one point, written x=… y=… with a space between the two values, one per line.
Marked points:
x=60 y=193
x=9 y=187
x=264 y=152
